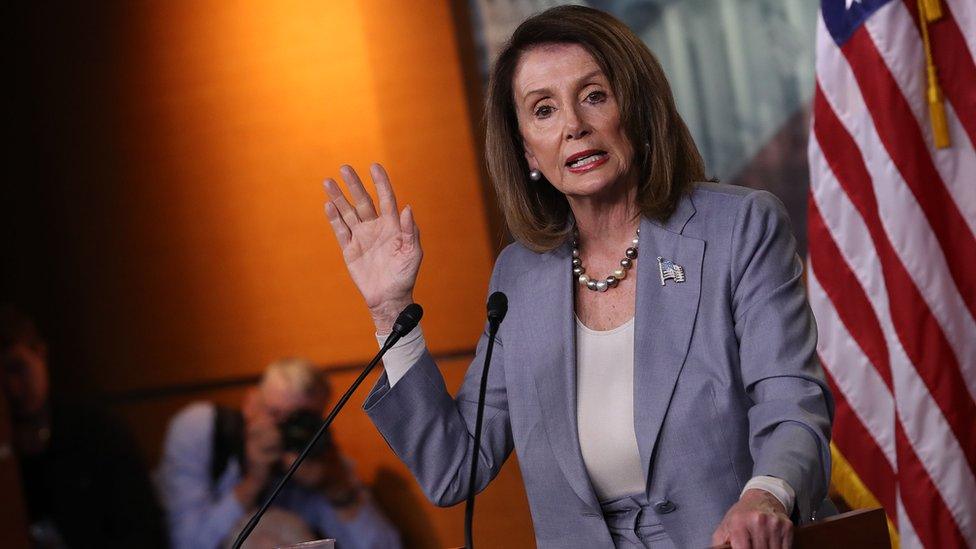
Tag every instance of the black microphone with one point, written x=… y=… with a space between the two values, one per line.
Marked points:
x=406 y=321
x=497 y=307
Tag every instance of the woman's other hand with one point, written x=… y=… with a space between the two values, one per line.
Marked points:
x=758 y=520
x=381 y=249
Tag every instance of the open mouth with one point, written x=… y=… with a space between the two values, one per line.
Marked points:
x=586 y=159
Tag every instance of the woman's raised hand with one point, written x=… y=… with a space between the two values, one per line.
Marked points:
x=381 y=249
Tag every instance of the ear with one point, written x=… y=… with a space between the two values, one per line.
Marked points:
x=530 y=158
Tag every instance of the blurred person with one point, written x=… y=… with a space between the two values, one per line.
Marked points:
x=83 y=479
x=674 y=400
x=219 y=464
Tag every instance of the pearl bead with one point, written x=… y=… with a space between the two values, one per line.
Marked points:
x=611 y=281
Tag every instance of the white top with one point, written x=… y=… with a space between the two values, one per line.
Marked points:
x=605 y=409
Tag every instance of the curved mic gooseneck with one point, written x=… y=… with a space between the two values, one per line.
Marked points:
x=497 y=307
x=406 y=321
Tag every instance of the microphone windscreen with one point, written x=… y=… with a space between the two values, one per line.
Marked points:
x=497 y=306
x=408 y=319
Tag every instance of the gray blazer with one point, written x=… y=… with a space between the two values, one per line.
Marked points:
x=726 y=380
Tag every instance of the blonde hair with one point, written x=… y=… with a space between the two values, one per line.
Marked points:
x=666 y=156
x=299 y=375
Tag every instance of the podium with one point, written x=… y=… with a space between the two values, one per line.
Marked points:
x=862 y=528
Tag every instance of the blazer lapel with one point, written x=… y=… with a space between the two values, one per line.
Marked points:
x=665 y=318
x=548 y=311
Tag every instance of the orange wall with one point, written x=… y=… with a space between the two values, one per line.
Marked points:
x=208 y=254
x=182 y=149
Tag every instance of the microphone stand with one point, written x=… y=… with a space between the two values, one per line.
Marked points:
x=405 y=322
x=497 y=307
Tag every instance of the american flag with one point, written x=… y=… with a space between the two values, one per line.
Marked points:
x=892 y=266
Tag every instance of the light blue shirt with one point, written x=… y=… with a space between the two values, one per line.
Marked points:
x=202 y=514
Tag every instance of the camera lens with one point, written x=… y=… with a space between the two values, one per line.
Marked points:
x=299 y=428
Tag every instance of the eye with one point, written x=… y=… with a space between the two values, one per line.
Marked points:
x=543 y=111
x=596 y=97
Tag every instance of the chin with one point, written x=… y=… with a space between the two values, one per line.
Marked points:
x=592 y=185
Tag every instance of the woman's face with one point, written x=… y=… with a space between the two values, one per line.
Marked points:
x=570 y=122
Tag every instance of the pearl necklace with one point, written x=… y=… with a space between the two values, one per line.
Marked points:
x=611 y=281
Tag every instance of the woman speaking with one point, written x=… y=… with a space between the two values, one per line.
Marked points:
x=656 y=373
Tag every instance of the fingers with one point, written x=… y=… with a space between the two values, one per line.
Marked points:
x=758 y=530
x=787 y=536
x=339 y=227
x=345 y=216
x=720 y=536
x=739 y=538
x=263 y=442
x=361 y=201
x=346 y=211
x=288 y=458
x=384 y=191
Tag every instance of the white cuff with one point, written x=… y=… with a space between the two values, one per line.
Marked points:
x=403 y=354
x=779 y=488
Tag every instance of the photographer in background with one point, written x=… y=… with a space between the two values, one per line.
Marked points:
x=219 y=464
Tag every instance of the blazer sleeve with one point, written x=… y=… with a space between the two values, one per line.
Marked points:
x=433 y=432
x=792 y=410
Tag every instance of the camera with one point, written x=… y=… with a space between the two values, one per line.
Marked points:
x=299 y=428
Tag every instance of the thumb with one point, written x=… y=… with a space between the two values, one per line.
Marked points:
x=411 y=233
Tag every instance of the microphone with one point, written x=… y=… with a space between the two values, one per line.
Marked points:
x=405 y=322
x=497 y=307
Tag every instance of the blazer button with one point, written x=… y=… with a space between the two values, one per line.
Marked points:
x=664 y=507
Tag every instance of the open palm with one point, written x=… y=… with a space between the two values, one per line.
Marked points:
x=381 y=248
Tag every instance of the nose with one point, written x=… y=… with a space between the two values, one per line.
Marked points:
x=576 y=127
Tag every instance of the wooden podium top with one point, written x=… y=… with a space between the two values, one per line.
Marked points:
x=862 y=528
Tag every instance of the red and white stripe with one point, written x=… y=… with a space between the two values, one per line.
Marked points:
x=892 y=277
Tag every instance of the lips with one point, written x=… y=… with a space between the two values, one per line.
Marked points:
x=586 y=160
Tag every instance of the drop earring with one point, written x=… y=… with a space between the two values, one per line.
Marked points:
x=535 y=175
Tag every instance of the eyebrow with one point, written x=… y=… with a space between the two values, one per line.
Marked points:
x=587 y=76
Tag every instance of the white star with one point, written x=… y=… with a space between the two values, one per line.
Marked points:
x=850 y=3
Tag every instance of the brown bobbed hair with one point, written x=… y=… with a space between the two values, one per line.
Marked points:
x=665 y=155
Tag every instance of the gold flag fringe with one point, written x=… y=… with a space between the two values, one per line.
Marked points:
x=844 y=480
x=930 y=11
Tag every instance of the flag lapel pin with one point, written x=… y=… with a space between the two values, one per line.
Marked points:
x=670 y=270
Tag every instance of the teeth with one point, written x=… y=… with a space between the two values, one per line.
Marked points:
x=586 y=160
